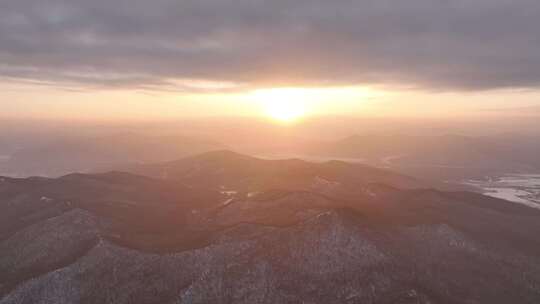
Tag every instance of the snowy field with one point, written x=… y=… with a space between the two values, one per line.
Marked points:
x=519 y=188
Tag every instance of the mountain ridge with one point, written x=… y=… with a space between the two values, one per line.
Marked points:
x=123 y=238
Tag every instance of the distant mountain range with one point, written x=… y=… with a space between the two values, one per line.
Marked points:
x=228 y=228
x=435 y=158
x=90 y=154
x=439 y=157
x=230 y=170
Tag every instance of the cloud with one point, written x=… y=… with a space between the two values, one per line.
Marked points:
x=436 y=44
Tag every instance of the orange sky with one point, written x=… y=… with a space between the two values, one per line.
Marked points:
x=161 y=59
x=36 y=101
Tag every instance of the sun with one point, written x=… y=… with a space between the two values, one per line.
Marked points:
x=284 y=104
x=284 y=110
x=291 y=104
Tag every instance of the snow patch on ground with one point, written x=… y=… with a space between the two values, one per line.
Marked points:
x=229 y=192
x=225 y=203
x=369 y=192
x=323 y=185
x=519 y=188
x=322 y=182
x=252 y=194
x=387 y=161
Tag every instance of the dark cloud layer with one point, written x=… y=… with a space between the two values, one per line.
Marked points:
x=439 y=44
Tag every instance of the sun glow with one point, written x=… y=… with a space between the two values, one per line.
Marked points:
x=291 y=104
x=284 y=104
x=285 y=111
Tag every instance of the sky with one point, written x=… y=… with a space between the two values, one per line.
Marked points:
x=135 y=59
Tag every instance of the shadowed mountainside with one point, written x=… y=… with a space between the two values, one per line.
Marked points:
x=243 y=238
